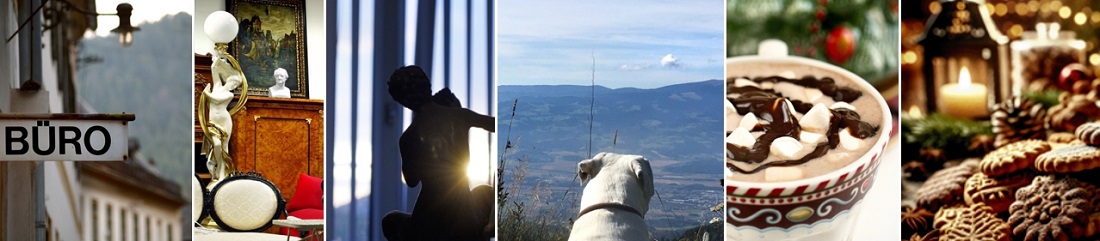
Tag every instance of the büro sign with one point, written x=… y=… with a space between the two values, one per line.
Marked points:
x=64 y=137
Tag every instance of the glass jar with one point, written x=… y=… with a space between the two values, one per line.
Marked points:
x=1038 y=59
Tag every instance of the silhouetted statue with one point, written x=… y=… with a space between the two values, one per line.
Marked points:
x=435 y=151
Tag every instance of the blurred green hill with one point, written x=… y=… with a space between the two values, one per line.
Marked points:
x=152 y=80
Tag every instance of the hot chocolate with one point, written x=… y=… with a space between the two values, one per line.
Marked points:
x=787 y=127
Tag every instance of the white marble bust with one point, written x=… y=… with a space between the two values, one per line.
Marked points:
x=279 y=90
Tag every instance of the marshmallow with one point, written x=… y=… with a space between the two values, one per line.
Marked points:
x=812 y=94
x=779 y=174
x=786 y=148
x=817 y=119
x=788 y=74
x=847 y=141
x=741 y=137
x=742 y=82
x=767 y=85
x=731 y=114
x=749 y=121
x=729 y=173
x=810 y=137
x=730 y=110
x=842 y=105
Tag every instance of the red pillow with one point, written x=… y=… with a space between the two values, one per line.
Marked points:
x=302 y=214
x=308 y=213
x=307 y=195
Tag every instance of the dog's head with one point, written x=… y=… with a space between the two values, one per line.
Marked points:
x=618 y=168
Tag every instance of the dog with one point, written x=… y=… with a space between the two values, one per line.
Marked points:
x=615 y=198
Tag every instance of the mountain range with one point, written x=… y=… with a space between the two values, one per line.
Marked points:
x=151 y=79
x=678 y=128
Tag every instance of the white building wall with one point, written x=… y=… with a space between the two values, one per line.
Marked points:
x=100 y=224
x=116 y=220
x=62 y=199
x=147 y=220
x=128 y=219
x=143 y=226
x=9 y=56
x=50 y=78
x=86 y=216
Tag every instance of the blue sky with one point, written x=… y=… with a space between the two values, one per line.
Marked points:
x=553 y=42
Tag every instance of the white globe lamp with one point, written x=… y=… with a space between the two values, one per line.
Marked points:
x=221 y=27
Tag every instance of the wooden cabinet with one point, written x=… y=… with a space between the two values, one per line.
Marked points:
x=279 y=138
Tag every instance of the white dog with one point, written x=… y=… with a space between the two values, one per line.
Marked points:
x=615 y=199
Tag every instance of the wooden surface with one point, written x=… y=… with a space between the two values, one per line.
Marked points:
x=201 y=77
x=280 y=138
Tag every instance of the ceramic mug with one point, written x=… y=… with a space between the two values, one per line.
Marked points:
x=815 y=208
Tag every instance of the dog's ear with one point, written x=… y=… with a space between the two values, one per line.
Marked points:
x=587 y=169
x=644 y=174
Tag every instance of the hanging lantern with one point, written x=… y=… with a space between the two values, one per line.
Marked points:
x=125 y=30
x=964 y=50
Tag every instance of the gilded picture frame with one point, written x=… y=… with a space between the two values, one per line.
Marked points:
x=272 y=35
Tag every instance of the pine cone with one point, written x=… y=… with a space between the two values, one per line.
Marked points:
x=1017 y=118
x=981 y=144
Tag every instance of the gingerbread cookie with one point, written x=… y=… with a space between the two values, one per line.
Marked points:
x=1069 y=159
x=974 y=222
x=997 y=193
x=1051 y=208
x=1070 y=112
x=1089 y=133
x=1061 y=137
x=1013 y=157
x=945 y=186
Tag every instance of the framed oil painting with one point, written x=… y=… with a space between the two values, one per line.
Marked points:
x=272 y=35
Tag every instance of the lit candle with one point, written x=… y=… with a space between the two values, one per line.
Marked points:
x=914 y=112
x=963 y=100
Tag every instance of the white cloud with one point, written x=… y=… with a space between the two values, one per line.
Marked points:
x=670 y=61
x=630 y=67
x=628 y=45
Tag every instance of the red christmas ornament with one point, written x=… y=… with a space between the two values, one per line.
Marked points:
x=1071 y=74
x=840 y=44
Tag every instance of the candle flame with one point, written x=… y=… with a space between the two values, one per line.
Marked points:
x=915 y=112
x=964 y=77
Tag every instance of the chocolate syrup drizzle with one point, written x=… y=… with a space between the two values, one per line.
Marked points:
x=771 y=106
